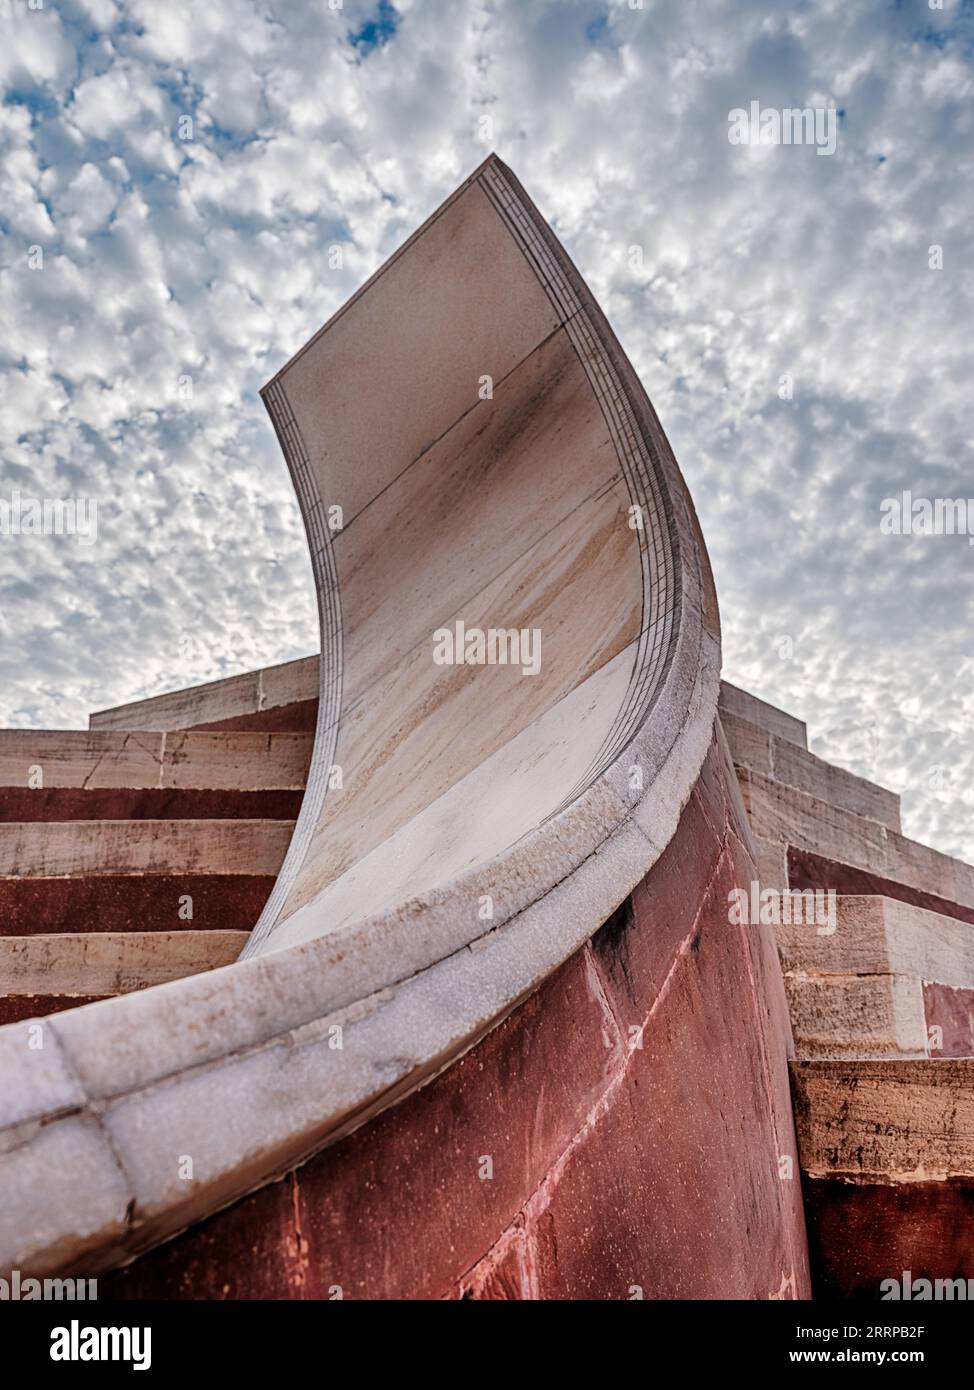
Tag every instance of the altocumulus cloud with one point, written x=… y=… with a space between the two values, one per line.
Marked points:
x=185 y=169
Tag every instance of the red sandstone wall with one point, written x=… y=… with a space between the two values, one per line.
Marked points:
x=615 y=1166
x=864 y=1233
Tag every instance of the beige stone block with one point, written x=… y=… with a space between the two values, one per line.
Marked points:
x=235 y=761
x=772 y=862
x=750 y=745
x=289 y=683
x=181 y=709
x=782 y=760
x=780 y=813
x=78 y=758
x=929 y=870
x=101 y=963
x=798 y=768
x=734 y=700
x=879 y=936
x=98 y=759
x=230 y=698
x=894 y=1121
x=865 y=1016
x=71 y=848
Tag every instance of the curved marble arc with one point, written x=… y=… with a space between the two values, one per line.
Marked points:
x=481 y=476
x=495 y=465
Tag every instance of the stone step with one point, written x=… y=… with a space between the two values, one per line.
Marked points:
x=891 y=980
x=804 y=869
x=44 y=974
x=887 y=1158
x=171 y=847
x=862 y=1016
x=735 y=701
x=92 y=760
x=876 y=1016
x=132 y=903
x=930 y=871
x=277 y=698
x=881 y=936
x=783 y=761
x=66 y=775
x=783 y=817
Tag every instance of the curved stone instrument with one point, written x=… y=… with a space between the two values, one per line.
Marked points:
x=509 y=583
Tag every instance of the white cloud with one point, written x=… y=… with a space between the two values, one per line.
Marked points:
x=167 y=258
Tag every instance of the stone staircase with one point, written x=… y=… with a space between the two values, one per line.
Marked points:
x=143 y=849
x=882 y=1012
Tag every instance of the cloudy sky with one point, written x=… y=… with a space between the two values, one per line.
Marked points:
x=805 y=358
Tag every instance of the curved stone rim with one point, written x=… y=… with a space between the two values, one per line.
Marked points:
x=238 y=1067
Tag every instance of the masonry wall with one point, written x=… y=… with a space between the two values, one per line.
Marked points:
x=633 y=1114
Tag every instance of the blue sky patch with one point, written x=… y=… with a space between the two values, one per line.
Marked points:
x=376 y=31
